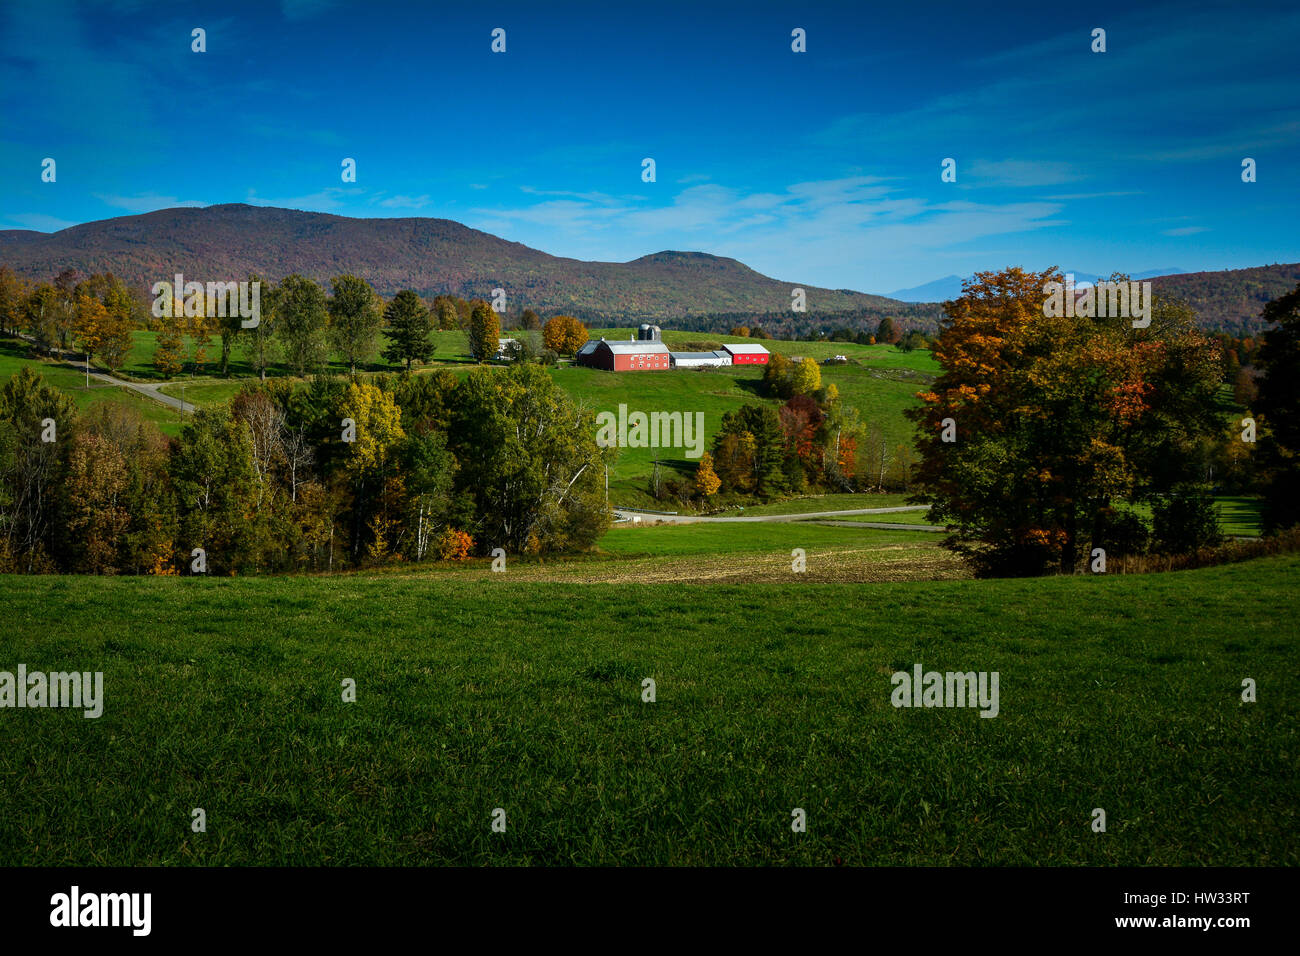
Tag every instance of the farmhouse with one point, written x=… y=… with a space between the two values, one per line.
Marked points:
x=747 y=353
x=699 y=359
x=630 y=356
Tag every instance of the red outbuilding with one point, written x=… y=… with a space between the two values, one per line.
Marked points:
x=746 y=353
x=630 y=356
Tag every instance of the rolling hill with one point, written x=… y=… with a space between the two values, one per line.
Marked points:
x=428 y=255
x=682 y=289
x=1231 y=300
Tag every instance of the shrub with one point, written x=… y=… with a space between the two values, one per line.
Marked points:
x=454 y=545
x=1123 y=532
x=1182 y=524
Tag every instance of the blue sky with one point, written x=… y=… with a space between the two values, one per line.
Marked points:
x=821 y=167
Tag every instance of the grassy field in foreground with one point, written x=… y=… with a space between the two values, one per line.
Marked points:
x=682 y=540
x=1121 y=693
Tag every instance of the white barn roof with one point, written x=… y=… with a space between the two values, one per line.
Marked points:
x=745 y=348
x=637 y=348
x=699 y=356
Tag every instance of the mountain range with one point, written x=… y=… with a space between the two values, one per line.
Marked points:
x=430 y=256
x=435 y=256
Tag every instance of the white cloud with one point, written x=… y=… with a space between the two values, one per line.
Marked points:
x=1017 y=173
x=848 y=232
x=1100 y=195
x=327 y=200
x=40 y=222
x=405 y=202
x=145 y=202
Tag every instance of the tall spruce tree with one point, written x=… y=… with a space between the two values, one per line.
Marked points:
x=409 y=325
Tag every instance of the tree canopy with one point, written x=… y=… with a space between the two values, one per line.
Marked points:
x=1042 y=432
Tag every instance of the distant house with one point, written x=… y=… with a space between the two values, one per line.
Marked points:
x=505 y=350
x=629 y=356
x=699 y=359
x=746 y=353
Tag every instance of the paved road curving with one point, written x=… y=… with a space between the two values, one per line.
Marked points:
x=627 y=514
x=152 y=390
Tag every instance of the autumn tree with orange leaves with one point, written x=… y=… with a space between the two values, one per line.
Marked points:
x=1059 y=425
x=103 y=331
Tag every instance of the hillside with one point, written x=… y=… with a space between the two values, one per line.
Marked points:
x=692 y=290
x=1231 y=300
x=429 y=255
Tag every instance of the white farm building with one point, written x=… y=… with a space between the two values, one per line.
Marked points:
x=700 y=359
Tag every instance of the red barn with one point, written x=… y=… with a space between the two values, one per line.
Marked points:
x=631 y=356
x=746 y=353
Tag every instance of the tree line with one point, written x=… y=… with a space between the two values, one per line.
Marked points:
x=302 y=324
x=319 y=475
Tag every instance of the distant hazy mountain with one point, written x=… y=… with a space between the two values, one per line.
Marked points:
x=428 y=255
x=949 y=287
x=940 y=290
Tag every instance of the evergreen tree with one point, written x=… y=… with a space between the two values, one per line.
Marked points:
x=409 y=325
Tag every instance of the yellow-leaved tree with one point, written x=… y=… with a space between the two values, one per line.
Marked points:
x=805 y=378
x=564 y=334
x=377 y=428
x=372 y=425
x=706 y=479
x=104 y=333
